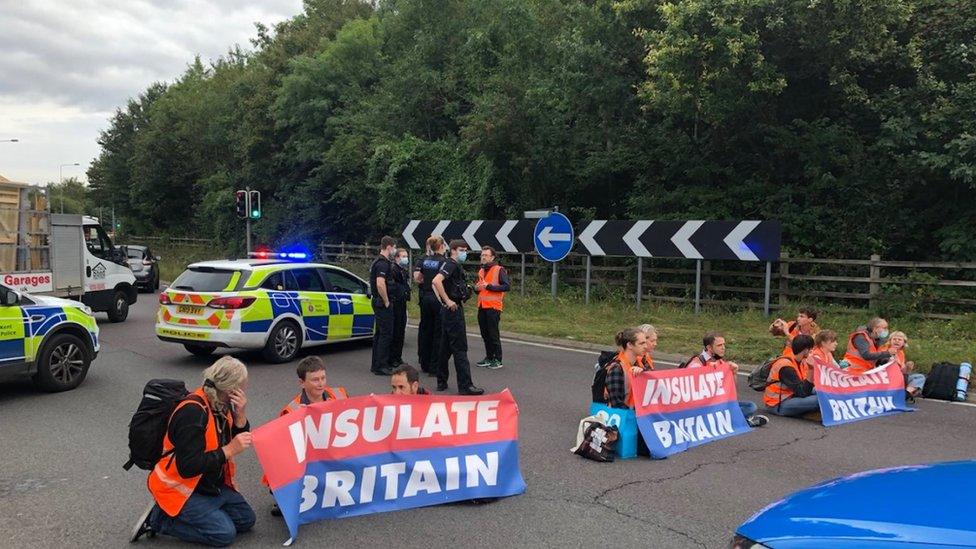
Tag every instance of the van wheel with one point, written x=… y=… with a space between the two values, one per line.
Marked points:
x=120 y=308
x=199 y=350
x=283 y=342
x=63 y=364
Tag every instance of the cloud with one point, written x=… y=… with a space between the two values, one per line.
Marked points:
x=68 y=64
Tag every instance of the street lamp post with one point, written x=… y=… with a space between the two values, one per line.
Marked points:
x=61 y=180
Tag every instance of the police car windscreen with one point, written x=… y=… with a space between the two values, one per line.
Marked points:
x=203 y=280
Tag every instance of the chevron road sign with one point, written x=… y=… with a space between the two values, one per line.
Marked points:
x=512 y=235
x=733 y=240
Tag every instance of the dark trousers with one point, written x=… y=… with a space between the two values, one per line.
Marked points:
x=488 y=320
x=454 y=342
x=399 y=328
x=382 y=336
x=429 y=334
x=209 y=520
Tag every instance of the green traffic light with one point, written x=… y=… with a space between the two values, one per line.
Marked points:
x=256 y=214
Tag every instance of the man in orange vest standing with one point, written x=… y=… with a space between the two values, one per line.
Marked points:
x=491 y=287
x=195 y=497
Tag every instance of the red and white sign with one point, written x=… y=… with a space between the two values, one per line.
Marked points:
x=29 y=282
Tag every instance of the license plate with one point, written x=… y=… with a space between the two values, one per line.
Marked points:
x=189 y=310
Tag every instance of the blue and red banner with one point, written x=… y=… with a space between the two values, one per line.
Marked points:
x=378 y=453
x=686 y=407
x=845 y=398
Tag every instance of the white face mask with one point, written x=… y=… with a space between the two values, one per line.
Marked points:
x=403 y=261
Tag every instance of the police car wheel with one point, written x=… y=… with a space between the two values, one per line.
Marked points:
x=284 y=341
x=120 y=308
x=63 y=364
x=199 y=350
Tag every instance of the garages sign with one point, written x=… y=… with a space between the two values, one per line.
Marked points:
x=29 y=282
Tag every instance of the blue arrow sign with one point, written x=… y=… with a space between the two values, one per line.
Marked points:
x=554 y=237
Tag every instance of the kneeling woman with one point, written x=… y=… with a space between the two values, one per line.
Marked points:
x=195 y=498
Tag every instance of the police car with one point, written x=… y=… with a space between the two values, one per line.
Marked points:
x=274 y=301
x=50 y=339
x=921 y=506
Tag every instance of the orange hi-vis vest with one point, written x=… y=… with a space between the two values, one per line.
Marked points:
x=338 y=393
x=168 y=488
x=628 y=379
x=821 y=356
x=793 y=330
x=857 y=364
x=776 y=392
x=646 y=361
x=488 y=299
x=898 y=357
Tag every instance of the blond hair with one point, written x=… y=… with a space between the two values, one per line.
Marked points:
x=898 y=333
x=227 y=374
x=648 y=329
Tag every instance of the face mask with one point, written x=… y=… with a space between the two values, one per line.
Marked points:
x=403 y=261
x=883 y=335
x=462 y=257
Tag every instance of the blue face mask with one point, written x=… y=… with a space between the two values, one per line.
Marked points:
x=883 y=335
x=462 y=257
x=403 y=261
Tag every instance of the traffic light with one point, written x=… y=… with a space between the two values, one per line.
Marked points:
x=254 y=204
x=242 y=205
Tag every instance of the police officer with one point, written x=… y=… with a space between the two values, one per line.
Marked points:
x=452 y=289
x=381 y=282
x=429 y=334
x=399 y=297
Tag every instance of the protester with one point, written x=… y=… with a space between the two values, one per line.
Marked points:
x=380 y=282
x=313 y=388
x=406 y=381
x=825 y=343
x=646 y=361
x=429 y=331
x=452 y=289
x=914 y=382
x=491 y=287
x=195 y=498
x=713 y=356
x=789 y=390
x=805 y=323
x=864 y=347
x=617 y=390
x=399 y=298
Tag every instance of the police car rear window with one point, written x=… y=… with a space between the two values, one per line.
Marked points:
x=202 y=279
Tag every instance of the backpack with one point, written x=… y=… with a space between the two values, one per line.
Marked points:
x=758 y=379
x=941 y=382
x=148 y=425
x=684 y=364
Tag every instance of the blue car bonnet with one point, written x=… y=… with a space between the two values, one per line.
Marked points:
x=916 y=504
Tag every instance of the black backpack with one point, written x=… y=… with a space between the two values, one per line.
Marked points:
x=600 y=377
x=685 y=363
x=941 y=382
x=148 y=425
x=758 y=379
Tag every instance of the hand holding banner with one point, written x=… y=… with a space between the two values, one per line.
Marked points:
x=686 y=407
x=845 y=398
x=376 y=453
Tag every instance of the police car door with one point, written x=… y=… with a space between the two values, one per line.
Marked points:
x=11 y=332
x=315 y=304
x=349 y=300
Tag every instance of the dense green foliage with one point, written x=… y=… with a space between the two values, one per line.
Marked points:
x=852 y=121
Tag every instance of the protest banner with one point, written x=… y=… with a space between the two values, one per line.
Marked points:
x=845 y=398
x=375 y=453
x=686 y=407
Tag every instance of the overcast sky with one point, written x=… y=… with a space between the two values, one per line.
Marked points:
x=65 y=66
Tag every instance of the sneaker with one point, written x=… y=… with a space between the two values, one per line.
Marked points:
x=494 y=365
x=757 y=420
x=275 y=510
x=483 y=363
x=142 y=527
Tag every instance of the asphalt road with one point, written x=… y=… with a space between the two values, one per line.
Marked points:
x=62 y=485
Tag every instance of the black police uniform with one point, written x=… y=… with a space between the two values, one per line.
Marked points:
x=454 y=340
x=382 y=267
x=429 y=334
x=398 y=300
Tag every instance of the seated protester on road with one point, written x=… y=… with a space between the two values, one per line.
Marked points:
x=196 y=499
x=897 y=343
x=313 y=388
x=825 y=343
x=864 y=347
x=646 y=361
x=790 y=390
x=805 y=323
x=406 y=381
x=713 y=356
x=617 y=391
